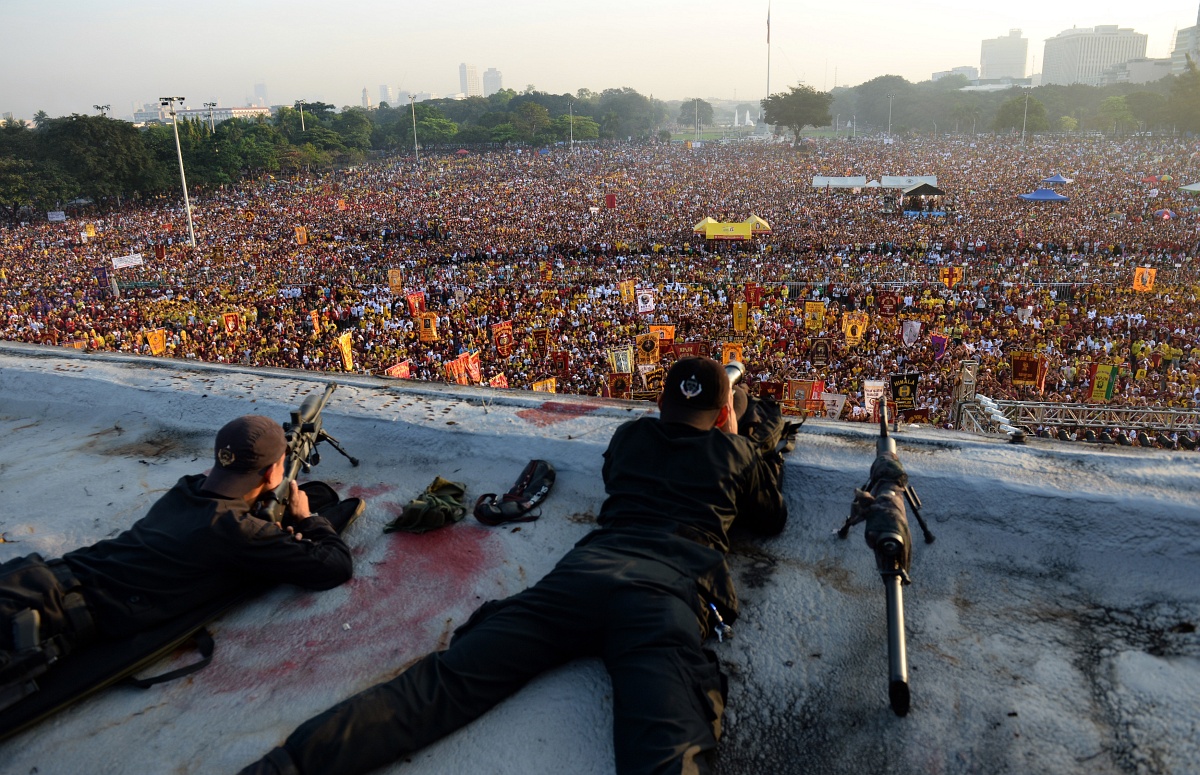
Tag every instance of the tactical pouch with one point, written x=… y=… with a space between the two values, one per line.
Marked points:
x=531 y=488
x=441 y=504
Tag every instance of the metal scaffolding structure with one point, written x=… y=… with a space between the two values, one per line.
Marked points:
x=976 y=417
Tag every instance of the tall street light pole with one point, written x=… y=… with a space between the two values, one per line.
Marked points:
x=212 y=126
x=169 y=104
x=890 y=98
x=103 y=109
x=1025 y=118
x=571 y=108
x=416 y=151
x=301 y=103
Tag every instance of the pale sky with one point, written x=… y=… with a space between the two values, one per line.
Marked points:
x=67 y=55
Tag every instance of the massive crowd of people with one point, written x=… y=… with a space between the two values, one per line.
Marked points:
x=546 y=238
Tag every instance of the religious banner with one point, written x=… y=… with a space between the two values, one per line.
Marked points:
x=541 y=340
x=689 y=349
x=316 y=320
x=457 y=370
x=474 y=367
x=887 y=303
x=647 y=348
x=739 y=316
x=801 y=391
x=610 y=201
x=560 y=362
x=731 y=351
x=56 y=216
x=233 y=322
x=343 y=344
x=834 y=403
x=1143 y=278
x=396 y=282
x=621 y=360
x=546 y=386
x=157 y=339
x=90 y=230
x=160 y=251
x=429 y=331
x=301 y=235
x=814 y=315
x=666 y=334
x=1102 y=376
x=416 y=303
x=546 y=271
x=498 y=381
x=619 y=385
x=628 y=290
x=904 y=390
x=911 y=332
x=341 y=205
x=939 y=345
x=401 y=370
x=1024 y=368
x=950 y=275
x=502 y=338
x=873 y=391
x=645 y=300
x=773 y=389
x=818 y=354
x=854 y=325
x=652 y=377
x=754 y=293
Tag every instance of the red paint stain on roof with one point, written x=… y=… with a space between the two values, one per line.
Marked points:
x=553 y=412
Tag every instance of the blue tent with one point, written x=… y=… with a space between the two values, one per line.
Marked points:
x=1044 y=195
x=1056 y=178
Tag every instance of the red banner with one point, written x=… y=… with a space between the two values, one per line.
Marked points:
x=474 y=370
x=402 y=370
x=502 y=338
x=416 y=303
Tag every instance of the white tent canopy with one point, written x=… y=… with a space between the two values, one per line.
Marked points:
x=823 y=181
x=906 y=181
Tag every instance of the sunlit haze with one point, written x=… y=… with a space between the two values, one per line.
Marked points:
x=66 y=56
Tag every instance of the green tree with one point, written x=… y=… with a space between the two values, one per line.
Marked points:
x=1183 y=106
x=1012 y=115
x=695 y=111
x=107 y=158
x=1068 y=123
x=584 y=128
x=1116 y=115
x=530 y=120
x=798 y=107
x=1148 y=107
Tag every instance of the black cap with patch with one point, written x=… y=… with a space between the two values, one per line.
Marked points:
x=245 y=448
x=696 y=384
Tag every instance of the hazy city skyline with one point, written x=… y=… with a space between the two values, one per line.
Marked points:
x=66 y=57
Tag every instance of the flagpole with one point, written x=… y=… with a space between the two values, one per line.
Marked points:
x=762 y=115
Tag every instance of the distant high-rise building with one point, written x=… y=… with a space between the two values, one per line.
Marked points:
x=970 y=72
x=366 y=100
x=1137 y=71
x=260 y=94
x=1004 y=57
x=385 y=94
x=492 y=81
x=1187 y=44
x=1082 y=55
x=468 y=80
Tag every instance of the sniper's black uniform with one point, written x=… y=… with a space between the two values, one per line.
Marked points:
x=192 y=547
x=634 y=593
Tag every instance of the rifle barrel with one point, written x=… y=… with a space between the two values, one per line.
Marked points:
x=897 y=651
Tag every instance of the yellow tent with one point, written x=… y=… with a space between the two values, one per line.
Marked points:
x=701 y=227
x=728 y=231
x=758 y=225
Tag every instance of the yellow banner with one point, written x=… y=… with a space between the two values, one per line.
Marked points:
x=628 y=291
x=429 y=331
x=396 y=282
x=343 y=343
x=546 y=385
x=814 y=315
x=739 y=316
x=647 y=348
x=731 y=351
x=157 y=339
x=854 y=325
x=730 y=231
x=301 y=235
x=1102 y=383
x=90 y=230
x=1143 y=278
x=665 y=333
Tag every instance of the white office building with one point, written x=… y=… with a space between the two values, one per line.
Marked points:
x=1004 y=57
x=493 y=81
x=1081 y=55
x=468 y=80
x=1187 y=44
